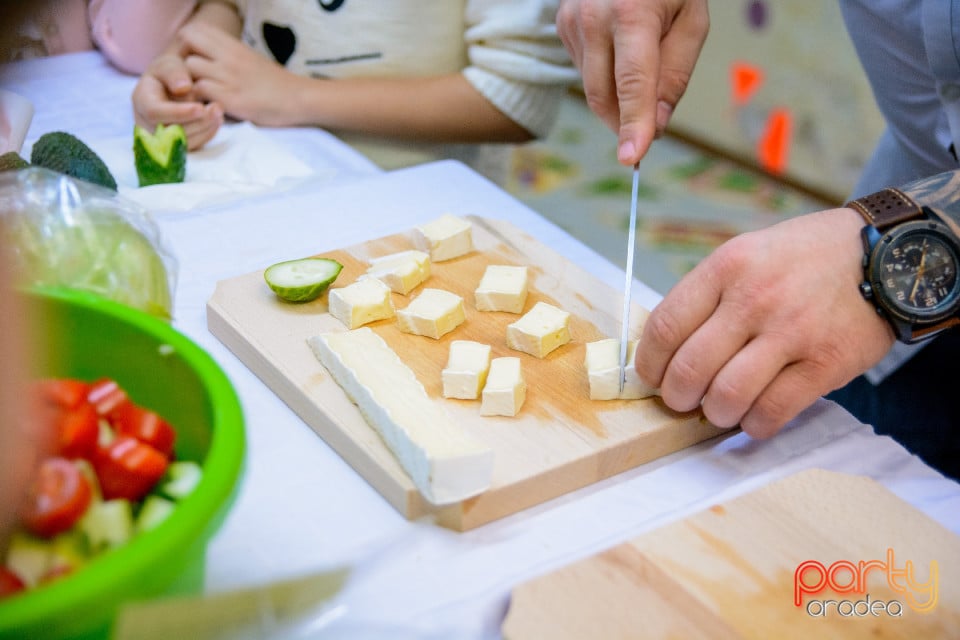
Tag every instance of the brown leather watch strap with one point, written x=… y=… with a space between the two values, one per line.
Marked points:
x=886 y=208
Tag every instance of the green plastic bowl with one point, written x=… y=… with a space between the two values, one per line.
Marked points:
x=85 y=336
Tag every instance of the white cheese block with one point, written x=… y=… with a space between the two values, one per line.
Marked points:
x=433 y=313
x=603 y=372
x=402 y=271
x=445 y=238
x=505 y=390
x=446 y=464
x=502 y=288
x=466 y=369
x=540 y=330
x=361 y=302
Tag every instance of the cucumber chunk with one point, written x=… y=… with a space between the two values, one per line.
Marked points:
x=108 y=524
x=154 y=511
x=302 y=280
x=181 y=479
x=160 y=157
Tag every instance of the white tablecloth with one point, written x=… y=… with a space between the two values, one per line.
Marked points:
x=301 y=508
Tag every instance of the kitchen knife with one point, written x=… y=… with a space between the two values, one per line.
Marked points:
x=628 y=277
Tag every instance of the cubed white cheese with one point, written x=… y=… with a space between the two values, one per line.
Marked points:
x=361 y=302
x=502 y=288
x=445 y=238
x=444 y=461
x=466 y=369
x=402 y=271
x=433 y=313
x=505 y=390
x=602 y=362
x=540 y=330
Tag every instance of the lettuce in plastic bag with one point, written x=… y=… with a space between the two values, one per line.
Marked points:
x=70 y=233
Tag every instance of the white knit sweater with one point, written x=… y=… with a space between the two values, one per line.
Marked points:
x=507 y=49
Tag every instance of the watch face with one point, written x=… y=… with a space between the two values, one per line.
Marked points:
x=916 y=268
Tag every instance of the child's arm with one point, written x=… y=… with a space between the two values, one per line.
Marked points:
x=252 y=87
x=509 y=93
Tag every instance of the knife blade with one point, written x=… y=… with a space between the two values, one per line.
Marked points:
x=628 y=277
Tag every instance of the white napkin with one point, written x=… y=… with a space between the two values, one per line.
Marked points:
x=16 y=113
x=239 y=162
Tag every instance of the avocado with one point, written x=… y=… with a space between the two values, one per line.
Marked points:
x=11 y=161
x=160 y=157
x=65 y=153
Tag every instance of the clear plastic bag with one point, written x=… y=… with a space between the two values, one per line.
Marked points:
x=70 y=233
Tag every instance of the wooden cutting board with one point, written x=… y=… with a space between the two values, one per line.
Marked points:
x=560 y=441
x=728 y=572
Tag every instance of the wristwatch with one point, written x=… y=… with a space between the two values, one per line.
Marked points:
x=910 y=263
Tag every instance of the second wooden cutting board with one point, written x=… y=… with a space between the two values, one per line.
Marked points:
x=872 y=565
x=560 y=441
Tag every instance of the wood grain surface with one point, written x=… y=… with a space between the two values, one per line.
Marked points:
x=560 y=441
x=728 y=572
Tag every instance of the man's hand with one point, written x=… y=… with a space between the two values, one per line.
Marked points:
x=766 y=324
x=636 y=59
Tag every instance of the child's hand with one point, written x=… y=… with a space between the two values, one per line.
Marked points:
x=164 y=95
x=248 y=85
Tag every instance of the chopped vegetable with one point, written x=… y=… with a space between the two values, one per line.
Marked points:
x=160 y=157
x=57 y=499
x=76 y=431
x=302 y=280
x=121 y=482
x=128 y=468
x=144 y=425
x=154 y=511
x=11 y=161
x=181 y=479
x=10 y=583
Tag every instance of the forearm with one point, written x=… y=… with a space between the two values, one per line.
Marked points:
x=435 y=109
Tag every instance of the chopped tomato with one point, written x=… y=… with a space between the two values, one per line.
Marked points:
x=10 y=583
x=106 y=395
x=66 y=393
x=77 y=431
x=144 y=425
x=128 y=468
x=58 y=497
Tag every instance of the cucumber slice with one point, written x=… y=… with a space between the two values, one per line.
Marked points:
x=154 y=511
x=302 y=280
x=181 y=479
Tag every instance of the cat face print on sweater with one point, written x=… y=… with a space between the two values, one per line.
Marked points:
x=343 y=38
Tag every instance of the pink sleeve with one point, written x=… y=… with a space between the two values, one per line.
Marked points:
x=131 y=33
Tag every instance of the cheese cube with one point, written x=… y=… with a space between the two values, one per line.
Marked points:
x=502 y=288
x=401 y=271
x=361 y=302
x=446 y=464
x=505 y=390
x=433 y=313
x=445 y=238
x=540 y=330
x=603 y=372
x=466 y=369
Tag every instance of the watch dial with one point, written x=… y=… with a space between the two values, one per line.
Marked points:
x=919 y=274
